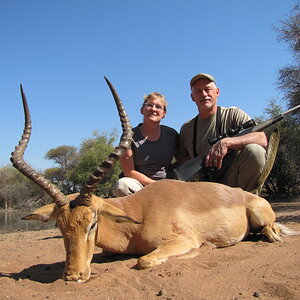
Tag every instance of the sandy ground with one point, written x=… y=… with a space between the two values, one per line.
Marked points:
x=31 y=264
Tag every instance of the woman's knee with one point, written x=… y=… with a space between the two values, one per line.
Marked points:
x=126 y=186
x=121 y=188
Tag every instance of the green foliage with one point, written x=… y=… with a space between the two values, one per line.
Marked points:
x=55 y=175
x=62 y=155
x=18 y=192
x=273 y=109
x=92 y=153
x=76 y=166
x=66 y=157
x=285 y=175
x=289 y=76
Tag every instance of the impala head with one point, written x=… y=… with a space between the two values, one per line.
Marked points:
x=76 y=214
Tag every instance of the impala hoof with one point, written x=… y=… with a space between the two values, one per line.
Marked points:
x=148 y=262
x=272 y=233
x=76 y=277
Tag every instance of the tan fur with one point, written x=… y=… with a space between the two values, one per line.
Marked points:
x=166 y=218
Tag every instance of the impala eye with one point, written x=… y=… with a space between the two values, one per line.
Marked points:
x=93 y=226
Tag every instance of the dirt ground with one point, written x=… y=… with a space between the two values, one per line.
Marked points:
x=31 y=264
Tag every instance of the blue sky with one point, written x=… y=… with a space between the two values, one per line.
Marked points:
x=61 y=49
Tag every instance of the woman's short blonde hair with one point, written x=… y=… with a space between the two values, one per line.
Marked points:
x=153 y=96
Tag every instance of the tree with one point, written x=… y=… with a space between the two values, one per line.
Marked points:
x=73 y=170
x=289 y=76
x=66 y=158
x=18 y=192
x=285 y=175
x=92 y=152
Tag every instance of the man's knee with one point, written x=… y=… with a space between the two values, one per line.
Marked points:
x=254 y=155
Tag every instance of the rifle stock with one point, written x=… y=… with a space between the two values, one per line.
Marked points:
x=189 y=168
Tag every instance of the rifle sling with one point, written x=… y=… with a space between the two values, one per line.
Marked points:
x=218 y=129
x=195 y=136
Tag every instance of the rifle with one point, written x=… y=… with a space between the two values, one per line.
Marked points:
x=189 y=168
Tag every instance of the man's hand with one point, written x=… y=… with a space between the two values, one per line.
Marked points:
x=215 y=156
x=217 y=152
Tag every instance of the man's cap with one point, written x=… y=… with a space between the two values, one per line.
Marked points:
x=201 y=76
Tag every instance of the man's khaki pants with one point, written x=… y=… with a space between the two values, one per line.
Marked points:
x=245 y=168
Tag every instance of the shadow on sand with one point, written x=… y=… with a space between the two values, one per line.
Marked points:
x=41 y=273
x=49 y=273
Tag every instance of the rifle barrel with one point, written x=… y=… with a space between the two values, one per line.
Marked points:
x=265 y=124
x=290 y=110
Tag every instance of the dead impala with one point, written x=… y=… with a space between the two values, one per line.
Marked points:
x=164 y=219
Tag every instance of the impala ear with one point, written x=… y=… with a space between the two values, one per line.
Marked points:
x=44 y=213
x=115 y=214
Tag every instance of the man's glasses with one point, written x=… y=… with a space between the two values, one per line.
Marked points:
x=154 y=106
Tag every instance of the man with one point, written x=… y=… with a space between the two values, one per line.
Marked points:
x=247 y=158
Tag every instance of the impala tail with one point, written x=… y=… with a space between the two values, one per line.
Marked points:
x=285 y=231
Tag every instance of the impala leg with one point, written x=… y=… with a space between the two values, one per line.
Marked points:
x=272 y=233
x=262 y=218
x=164 y=251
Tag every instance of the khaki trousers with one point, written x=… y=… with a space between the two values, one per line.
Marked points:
x=245 y=168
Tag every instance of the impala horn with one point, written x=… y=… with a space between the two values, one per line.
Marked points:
x=101 y=171
x=19 y=163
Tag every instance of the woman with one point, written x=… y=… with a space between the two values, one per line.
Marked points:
x=152 y=149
